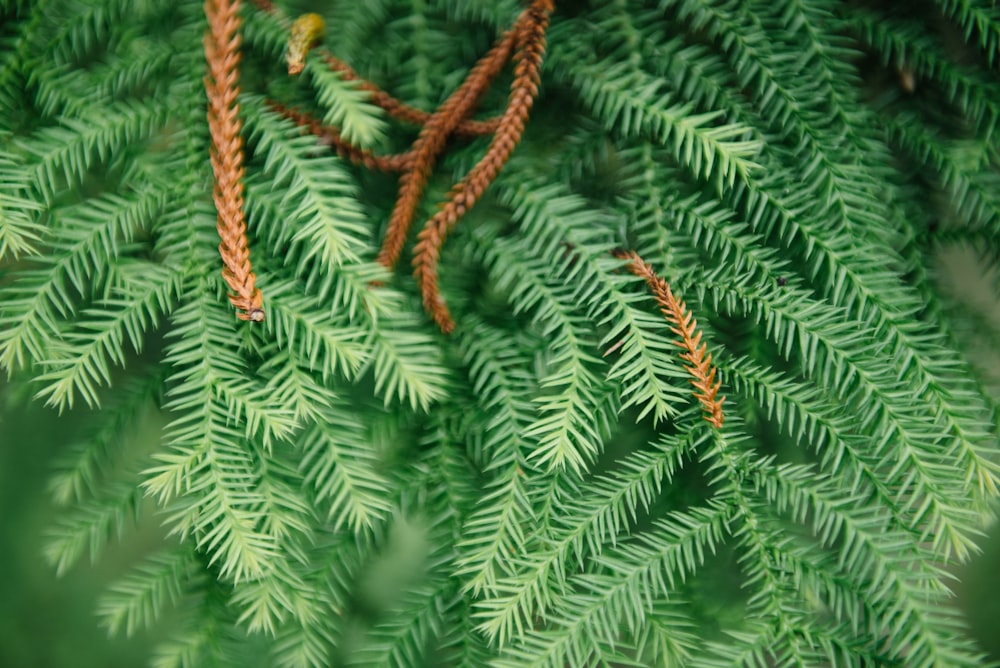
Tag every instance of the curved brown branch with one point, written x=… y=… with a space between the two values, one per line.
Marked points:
x=330 y=135
x=433 y=136
x=222 y=43
x=530 y=32
x=685 y=326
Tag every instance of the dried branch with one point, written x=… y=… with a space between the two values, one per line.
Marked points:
x=530 y=34
x=222 y=43
x=685 y=326
x=432 y=138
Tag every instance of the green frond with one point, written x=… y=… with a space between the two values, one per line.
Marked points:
x=87 y=530
x=581 y=531
x=94 y=460
x=959 y=166
x=192 y=646
x=347 y=106
x=980 y=22
x=909 y=44
x=80 y=363
x=81 y=262
x=292 y=161
x=138 y=601
x=60 y=156
x=407 y=637
x=498 y=526
x=20 y=231
x=339 y=462
x=634 y=103
x=302 y=646
x=329 y=345
x=405 y=362
x=618 y=601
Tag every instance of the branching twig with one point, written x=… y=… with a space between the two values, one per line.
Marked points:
x=222 y=43
x=432 y=138
x=527 y=38
x=402 y=111
x=531 y=48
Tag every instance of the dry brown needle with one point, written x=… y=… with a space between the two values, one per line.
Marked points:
x=327 y=134
x=684 y=325
x=222 y=53
x=402 y=111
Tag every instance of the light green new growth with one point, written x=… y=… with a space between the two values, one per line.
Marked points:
x=350 y=487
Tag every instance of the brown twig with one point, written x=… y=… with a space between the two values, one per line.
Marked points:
x=531 y=48
x=685 y=326
x=328 y=134
x=402 y=111
x=222 y=43
x=432 y=138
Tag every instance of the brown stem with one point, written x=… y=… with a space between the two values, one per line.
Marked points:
x=330 y=135
x=531 y=43
x=402 y=111
x=685 y=326
x=222 y=43
x=432 y=138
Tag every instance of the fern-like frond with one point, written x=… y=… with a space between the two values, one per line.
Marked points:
x=980 y=22
x=338 y=461
x=347 y=106
x=81 y=362
x=582 y=530
x=102 y=451
x=138 y=601
x=632 y=102
x=60 y=156
x=405 y=362
x=81 y=263
x=20 y=231
x=340 y=483
x=92 y=524
x=609 y=603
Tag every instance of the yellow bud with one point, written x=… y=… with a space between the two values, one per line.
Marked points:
x=306 y=32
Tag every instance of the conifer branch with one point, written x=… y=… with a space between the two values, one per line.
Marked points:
x=546 y=516
x=222 y=43
x=685 y=326
x=524 y=89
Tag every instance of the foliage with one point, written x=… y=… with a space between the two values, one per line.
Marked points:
x=349 y=486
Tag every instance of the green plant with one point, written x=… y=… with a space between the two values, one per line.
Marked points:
x=346 y=485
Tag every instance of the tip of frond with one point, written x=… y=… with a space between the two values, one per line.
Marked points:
x=684 y=325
